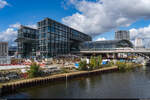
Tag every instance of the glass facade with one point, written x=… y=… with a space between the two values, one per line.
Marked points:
x=27 y=40
x=50 y=39
x=103 y=45
x=56 y=38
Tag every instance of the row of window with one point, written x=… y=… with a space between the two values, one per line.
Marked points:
x=56 y=28
x=26 y=30
x=27 y=35
x=53 y=24
x=51 y=35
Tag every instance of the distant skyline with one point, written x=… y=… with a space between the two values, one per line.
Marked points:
x=98 y=18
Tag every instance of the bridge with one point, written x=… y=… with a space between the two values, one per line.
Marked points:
x=141 y=52
x=115 y=50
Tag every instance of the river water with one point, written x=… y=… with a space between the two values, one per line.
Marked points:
x=131 y=84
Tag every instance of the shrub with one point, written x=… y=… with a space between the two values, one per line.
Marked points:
x=93 y=62
x=111 y=63
x=34 y=70
x=64 y=70
x=99 y=61
x=82 y=65
x=90 y=67
x=121 y=65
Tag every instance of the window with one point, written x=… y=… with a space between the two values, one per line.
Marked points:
x=49 y=29
x=52 y=29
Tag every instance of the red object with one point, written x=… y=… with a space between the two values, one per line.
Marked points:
x=24 y=75
x=42 y=65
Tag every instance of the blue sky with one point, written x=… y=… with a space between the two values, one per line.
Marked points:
x=28 y=12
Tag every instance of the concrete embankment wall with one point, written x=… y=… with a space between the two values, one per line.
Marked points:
x=14 y=86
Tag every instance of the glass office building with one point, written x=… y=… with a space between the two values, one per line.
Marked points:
x=27 y=41
x=50 y=39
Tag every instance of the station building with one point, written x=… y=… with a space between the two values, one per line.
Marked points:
x=50 y=39
x=105 y=45
x=27 y=42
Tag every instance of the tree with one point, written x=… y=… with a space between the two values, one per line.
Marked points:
x=93 y=62
x=99 y=60
x=34 y=70
x=83 y=65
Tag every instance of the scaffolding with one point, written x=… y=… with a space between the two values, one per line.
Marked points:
x=27 y=40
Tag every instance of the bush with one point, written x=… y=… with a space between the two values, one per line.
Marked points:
x=93 y=62
x=99 y=61
x=34 y=70
x=111 y=63
x=90 y=67
x=64 y=70
x=82 y=65
x=121 y=65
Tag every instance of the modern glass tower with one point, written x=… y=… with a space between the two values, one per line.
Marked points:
x=51 y=39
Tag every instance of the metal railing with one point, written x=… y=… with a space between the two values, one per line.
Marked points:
x=108 y=49
x=114 y=50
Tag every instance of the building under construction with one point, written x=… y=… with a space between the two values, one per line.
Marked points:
x=50 y=39
x=27 y=41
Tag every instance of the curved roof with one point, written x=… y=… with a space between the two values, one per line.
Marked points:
x=115 y=43
x=106 y=41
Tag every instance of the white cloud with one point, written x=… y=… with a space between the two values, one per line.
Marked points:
x=17 y=25
x=32 y=26
x=3 y=3
x=100 y=39
x=102 y=16
x=143 y=33
x=10 y=34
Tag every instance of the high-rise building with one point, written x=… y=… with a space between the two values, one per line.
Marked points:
x=122 y=35
x=3 y=48
x=138 y=43
x=50 y=39
x=4 y=58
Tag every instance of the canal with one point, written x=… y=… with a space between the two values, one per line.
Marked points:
x=131 y=84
